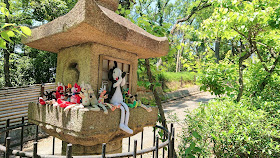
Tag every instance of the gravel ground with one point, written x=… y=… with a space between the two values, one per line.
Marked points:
x=177 y=107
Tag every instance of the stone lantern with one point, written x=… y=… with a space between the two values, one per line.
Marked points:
x=88 y=40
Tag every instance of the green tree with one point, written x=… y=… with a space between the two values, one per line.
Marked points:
x=27 y=13
x=8 y=31
x=252 y=28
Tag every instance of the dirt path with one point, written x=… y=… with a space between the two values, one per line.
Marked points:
x=180 y=106
x=172 y=107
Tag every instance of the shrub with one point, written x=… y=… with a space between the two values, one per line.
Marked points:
x=272 y=108
x=227 y=129
x=220 y=79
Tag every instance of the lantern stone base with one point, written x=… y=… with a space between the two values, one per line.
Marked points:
x=86 y=129
x=111 y=148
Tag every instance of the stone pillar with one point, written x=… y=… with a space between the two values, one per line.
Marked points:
x=111 y=148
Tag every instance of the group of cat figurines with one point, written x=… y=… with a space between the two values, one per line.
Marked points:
x=81 y=96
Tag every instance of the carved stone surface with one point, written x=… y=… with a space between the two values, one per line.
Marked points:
x=89 y=64
x=86 y=127
x=89 y=22
x=111 y=148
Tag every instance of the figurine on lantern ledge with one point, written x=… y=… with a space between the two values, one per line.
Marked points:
x=117 y=77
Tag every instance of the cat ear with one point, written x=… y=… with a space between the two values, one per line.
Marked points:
x=116 y=64
x=110 y=74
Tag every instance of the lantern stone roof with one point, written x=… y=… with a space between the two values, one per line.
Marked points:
x=90 y=22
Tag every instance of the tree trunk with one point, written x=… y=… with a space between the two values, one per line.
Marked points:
x=7 y=54
x=158 y=100
x=270 y=71
x=241 y=68
x=264 y=82
x=241 y=84
x=217 y=49
x=178 y=61
x=7 y=68
x=156 y=95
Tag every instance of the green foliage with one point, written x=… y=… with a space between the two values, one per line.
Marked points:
x=49 y=9
x=271 y=107
x=8 y=30
x=219 y=79
x=26 y=69
x=173 y=76
x=254 y=76
x=228 y=129
x=26 y=65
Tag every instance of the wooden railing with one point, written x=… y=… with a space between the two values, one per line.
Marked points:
x=14 y=101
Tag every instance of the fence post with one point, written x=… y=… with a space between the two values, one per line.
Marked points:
x=170 y=142
x=35 y=147
x=36 y=133
x=142 y=137
x=69 y=151
x=135 y=149
x=157 y=147
x=128 y=144
x=164 y=136
x=7 y=132
x=154 y=141
x=21 y=134
x=103 y=150
x=53 y=145
x=173 y=149
x=181 y=81
x=42 y=90
x=8 y=142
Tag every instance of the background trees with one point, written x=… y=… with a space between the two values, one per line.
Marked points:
x=21 y=65
x=201 y=33
x=233 y=46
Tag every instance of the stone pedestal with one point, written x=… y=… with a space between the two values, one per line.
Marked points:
x=111 y=148
x=87 y=129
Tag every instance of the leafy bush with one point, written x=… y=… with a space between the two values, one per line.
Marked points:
x=272 y=108
x=254 y=76
x=220 y=78
x=227 y=129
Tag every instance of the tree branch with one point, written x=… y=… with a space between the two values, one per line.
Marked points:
x=269 y=48
x=260 y=57
x=264 y=82
x=235 y=29
x=194 y=10
x=275 y=63
x=211 y=48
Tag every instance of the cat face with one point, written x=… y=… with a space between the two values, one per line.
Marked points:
x=117 y=73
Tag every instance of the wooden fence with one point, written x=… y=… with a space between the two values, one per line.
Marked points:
x=14 y=101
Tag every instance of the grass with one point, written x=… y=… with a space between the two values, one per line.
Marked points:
x=176 y=76
x=172 y=80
